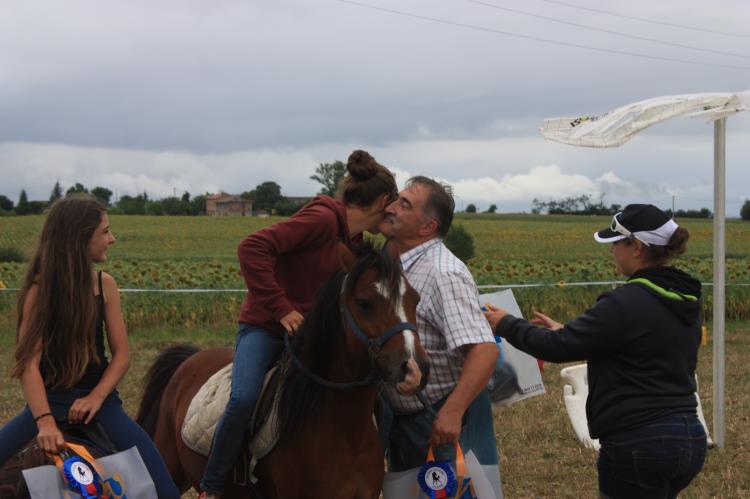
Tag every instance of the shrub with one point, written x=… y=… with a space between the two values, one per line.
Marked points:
x=471 y=208
x=10 y=254
x=460 y=242
x=745 y=210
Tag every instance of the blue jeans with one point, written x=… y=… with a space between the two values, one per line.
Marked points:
x=408 y=435
x=121 y=430
x=654 y=461
x=256 y=349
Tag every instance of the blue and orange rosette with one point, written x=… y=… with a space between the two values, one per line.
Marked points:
x=80 y=471
x=436 y=478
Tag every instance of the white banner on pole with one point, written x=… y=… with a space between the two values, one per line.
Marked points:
x=619 y=125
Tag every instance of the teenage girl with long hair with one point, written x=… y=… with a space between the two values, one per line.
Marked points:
x=64 y=308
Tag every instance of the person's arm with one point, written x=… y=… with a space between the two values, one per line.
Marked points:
x=463 y=325
x=478 y=365
x=49 y=437
x=258 y=252
x=84 y=409
x=597 y=331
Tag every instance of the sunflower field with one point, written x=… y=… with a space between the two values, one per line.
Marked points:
x=183 y=271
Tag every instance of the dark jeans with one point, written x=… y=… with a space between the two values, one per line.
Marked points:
x=654 y=461
x=121 y=430
x=254 y=353
x=407 y=436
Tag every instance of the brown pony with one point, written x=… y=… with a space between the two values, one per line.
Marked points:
x=360 y=334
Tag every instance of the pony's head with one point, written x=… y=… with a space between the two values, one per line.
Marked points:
x=379 y=308
x=360 y=330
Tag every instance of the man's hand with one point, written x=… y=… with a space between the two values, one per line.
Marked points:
x=292 y=321
x=446 y=428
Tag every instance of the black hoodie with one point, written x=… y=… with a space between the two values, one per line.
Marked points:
x=641 y=343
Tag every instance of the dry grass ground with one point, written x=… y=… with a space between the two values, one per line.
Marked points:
x=540 y=456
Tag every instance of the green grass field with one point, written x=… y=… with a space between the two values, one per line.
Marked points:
x=540 y=455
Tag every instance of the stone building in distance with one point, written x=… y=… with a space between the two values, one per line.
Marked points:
x=223 y=204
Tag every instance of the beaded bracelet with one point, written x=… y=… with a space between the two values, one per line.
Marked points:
x=36 y=419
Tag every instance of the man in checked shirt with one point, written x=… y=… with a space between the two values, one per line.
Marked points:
x=451 y=328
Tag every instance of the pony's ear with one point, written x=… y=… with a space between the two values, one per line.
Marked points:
x=346 y=256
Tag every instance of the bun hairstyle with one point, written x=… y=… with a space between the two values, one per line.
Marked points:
x=677 y=245
x=365 y=181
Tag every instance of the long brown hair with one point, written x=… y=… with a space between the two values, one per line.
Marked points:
x=63 y=318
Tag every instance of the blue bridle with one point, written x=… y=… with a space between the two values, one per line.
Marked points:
x=374 y=345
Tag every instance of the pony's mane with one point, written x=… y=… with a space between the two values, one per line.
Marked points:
x=316 y=341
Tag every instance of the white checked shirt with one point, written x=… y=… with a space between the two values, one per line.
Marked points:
x=448 y=316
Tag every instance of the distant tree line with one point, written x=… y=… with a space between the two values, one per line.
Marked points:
x=581 y=205
x=584 y=205
x=702 y=213
x=127 y=205
x=266 y=197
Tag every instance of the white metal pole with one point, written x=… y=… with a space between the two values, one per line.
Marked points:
x=719 y=278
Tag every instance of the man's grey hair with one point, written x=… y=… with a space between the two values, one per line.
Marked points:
x=439 y=205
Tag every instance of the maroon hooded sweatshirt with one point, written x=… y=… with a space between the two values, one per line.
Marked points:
x=285 y=264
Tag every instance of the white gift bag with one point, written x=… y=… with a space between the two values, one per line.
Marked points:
x=124 y=473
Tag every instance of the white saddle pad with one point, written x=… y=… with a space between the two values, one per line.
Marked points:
x=208 y=406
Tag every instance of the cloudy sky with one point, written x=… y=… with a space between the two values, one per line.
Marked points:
x=204 y=96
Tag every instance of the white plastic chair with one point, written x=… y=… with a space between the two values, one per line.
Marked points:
x=574 y=396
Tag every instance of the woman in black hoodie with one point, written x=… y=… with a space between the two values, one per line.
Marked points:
x=641 y=343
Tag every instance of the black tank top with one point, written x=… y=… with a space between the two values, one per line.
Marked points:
x=94 y=370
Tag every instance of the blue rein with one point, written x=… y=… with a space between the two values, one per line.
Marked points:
x=373 y=348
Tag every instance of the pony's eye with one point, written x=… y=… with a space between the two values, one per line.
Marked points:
x=363 y=305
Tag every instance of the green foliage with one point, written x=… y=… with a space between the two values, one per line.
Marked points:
x=264 y=196
x=329 y=175
x=154 y=208
x=745 y=210
x=198 y=205
x=702 y=213
x=581 y=205
x=173 y=206
x=460 y=242
x=6 y=203
x=78 y=188
x=26 y=207
x=471 y=208
x=492 y=208
x=287 y=207
x=129 y=205
x=12 y=254
x=56 y=192
x=102 y=194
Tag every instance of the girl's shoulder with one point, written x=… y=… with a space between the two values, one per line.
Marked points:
x=108 y=283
